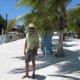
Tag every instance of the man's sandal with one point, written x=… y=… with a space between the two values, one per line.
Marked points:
x=33 y=76
x=25 y=76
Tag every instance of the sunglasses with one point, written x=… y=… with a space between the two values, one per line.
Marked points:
x=31 y=28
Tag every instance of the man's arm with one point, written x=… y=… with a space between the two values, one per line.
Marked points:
x=37 y=44
x=25 y=46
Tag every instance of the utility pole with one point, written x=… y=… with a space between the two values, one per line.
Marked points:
x=4 y=33
x=6 y=18
x=2 y=40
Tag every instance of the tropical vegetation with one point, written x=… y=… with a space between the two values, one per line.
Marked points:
x=3 y=24
x=74 y=20
x=48 y=16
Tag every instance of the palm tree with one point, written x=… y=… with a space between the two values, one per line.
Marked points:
x=52 y=12
x=41 y=21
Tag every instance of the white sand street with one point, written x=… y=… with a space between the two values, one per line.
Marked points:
x=12 y=65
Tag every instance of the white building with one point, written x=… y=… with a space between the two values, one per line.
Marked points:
x=12 y=36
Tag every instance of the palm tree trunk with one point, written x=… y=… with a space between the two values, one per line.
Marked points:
x=60 y=51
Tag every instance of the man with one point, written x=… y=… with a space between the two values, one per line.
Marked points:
x=30 y=49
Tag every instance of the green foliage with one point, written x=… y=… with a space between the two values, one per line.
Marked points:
x=74 y=19
x=45 y=14
x=10 y=25
x=3 y=24
x=14 y=21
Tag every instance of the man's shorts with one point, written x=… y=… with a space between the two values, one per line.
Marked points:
x=30 y=55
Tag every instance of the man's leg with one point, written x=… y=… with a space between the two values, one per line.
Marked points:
x=33 y=66
x=27 y=69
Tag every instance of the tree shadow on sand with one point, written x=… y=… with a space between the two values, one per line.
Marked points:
x=38 y=77
x=64 y=76
x=20 y=57
x=71 y=63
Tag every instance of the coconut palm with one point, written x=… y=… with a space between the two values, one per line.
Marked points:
x=41 y=21
x=49 y=10
x=56 y=8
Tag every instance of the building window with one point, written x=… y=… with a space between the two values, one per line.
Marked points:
x=10 y=37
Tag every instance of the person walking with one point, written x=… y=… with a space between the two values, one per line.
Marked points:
x=30 y=49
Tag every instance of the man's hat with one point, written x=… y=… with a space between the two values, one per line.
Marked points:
x=31 y=25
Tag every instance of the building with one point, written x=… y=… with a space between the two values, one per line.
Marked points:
x=13 y=35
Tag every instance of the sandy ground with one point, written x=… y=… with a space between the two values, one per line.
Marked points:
x=49 y=67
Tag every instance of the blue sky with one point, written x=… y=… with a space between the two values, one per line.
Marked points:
x=73 y=4
x=9 y=7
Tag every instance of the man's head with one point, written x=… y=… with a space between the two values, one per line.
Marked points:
x=31 y=27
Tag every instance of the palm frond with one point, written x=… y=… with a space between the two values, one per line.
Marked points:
x=11 y=25
x=14 y=21
x=21 y=3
